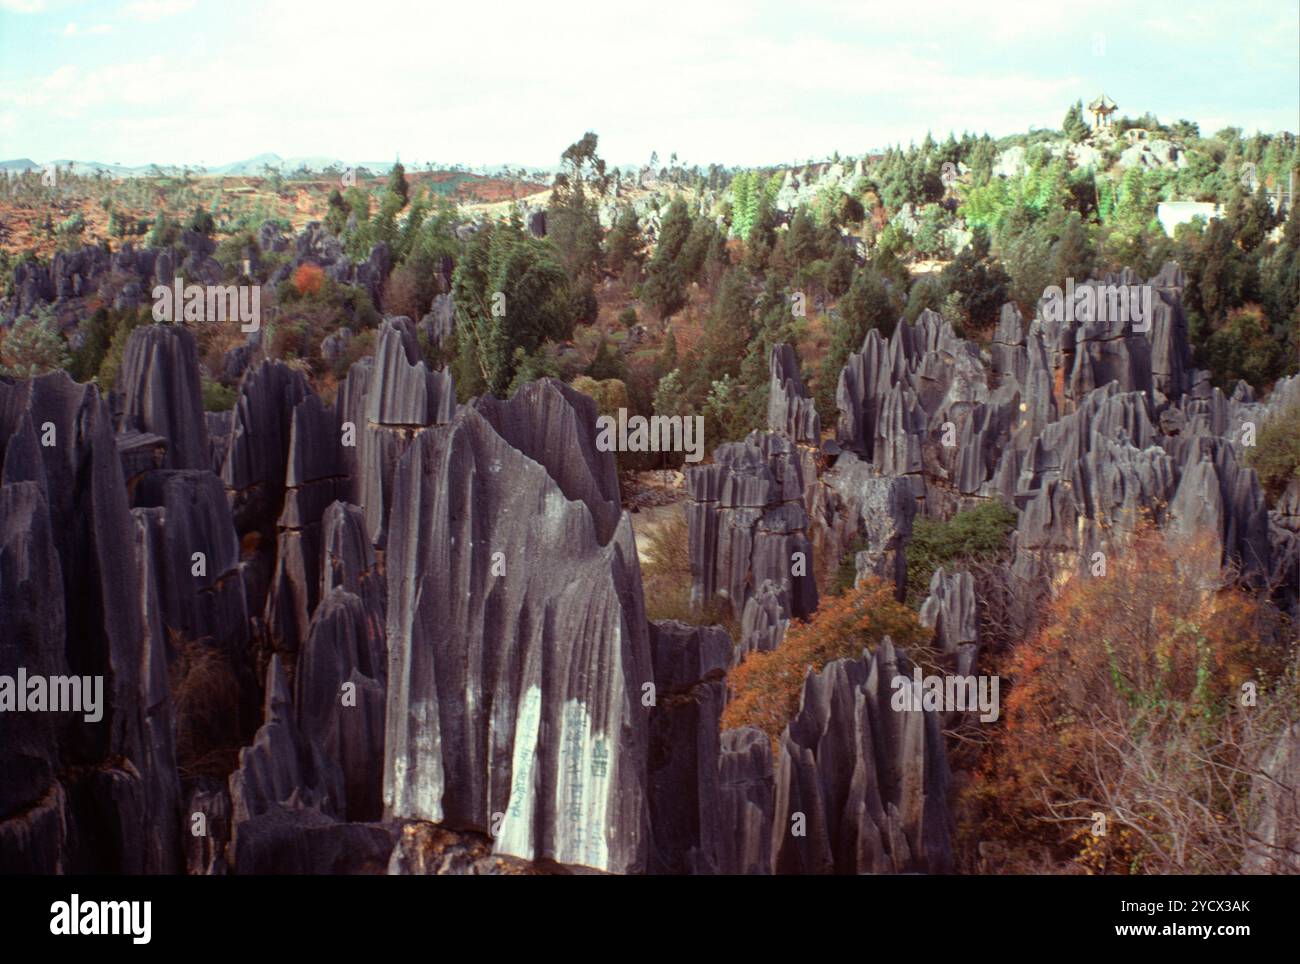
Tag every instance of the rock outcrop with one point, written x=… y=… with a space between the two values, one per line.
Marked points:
x=516 y=689
x=950 y=611
x=1274 y=846
x=861 y=787
x=315 y=478
x=401 y=397
x=90 y=787
x=746 y=795
x=689 y=665
x=790 y=409
x=258 y=455
x=159 y=393
x=748 y=523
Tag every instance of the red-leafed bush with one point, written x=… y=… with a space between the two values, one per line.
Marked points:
x=308 y=280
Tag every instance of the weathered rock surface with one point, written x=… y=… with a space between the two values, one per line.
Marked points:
x=187 y=522
x=689 y=665
x=764 y=621
x=1275 y=843
x=205 y=853
x=32 y=613
x=950 y=611
x=867 y=784
x=856 y=506
x=424 y=849
x=80 y=794
x=159 y=392
x=293 y=840
x=314 y=479
x=440 y=323
x=790 y=409
x=401 y=397
x=280 y=768
x=515 y=689
x=746 y=794
x=258 y=455
x=748 y=523
x=340 y=701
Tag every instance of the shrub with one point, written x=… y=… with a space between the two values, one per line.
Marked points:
x=230 y=252
x=407 y=293
x=290 y=338
x=1128 y=702
x=217 y=397
x=108 y=368
x=308 y=280
x=766 y=687
x=97 y=334
x=609 y=394
x=1245 y=347
x=1276 y=455
x=33 y=346
x=205 y=703
x=978 y=533
x=846 y=573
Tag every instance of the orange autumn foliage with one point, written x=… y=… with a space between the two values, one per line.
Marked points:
x=1152 y=653
x=766 y=687
x=308 y=279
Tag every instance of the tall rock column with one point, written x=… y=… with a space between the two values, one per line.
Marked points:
x=517 y=690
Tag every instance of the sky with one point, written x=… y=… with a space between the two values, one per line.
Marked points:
x=501 y=82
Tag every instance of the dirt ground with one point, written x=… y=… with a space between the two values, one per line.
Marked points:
x=655 y=499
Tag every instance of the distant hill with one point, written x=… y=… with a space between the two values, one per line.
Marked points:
x=88 y=168
x=250 y=167
x=257 y=165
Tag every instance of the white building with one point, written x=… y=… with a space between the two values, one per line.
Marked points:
x=1170 y=214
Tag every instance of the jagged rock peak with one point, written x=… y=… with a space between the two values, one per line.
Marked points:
x=159 y=392
x=790 y=409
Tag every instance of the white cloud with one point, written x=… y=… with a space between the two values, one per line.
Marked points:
x=22 y=6
x=75 y=30
x=154 y=10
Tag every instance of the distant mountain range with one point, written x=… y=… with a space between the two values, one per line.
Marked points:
x=250 y=167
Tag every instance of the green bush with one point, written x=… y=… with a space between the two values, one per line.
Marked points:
x=217 y=397
x=978 y=533
x=97 y=331
x=846 y=573
x=1276 y=454
x=33 y=346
